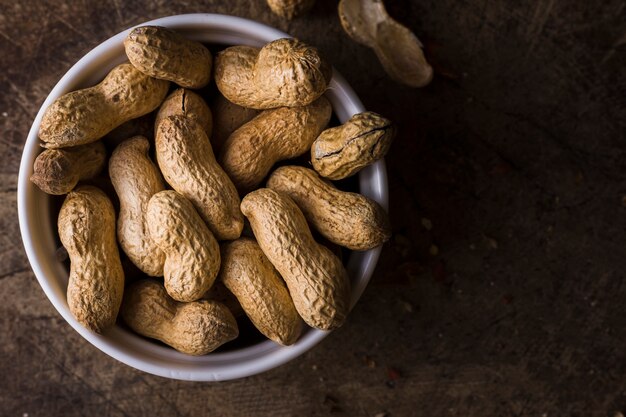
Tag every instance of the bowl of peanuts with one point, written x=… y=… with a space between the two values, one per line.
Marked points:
x=176 y=204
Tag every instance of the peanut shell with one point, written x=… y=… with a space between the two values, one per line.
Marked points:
x=195 y=328
x=342 y=151
x=347 y=219
x=262 y=293
x=284 y=73
x=186 y=159
x=86 y=115
x=165 y=54
x=136 y=179
x=317 y=281
x=397 y=48
x=57 y=171
x=272 y=136
x=192 y=255
x=96 y=283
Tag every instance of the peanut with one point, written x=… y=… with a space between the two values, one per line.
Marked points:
x=317 y=281
x=397 y=48
x=285 y=72
x=228 y=117
x=342 y=151
x=165 y=54
x=136 y=179
x=187 y=162
x=185 y=102
x=86 y=115
x=250 y=276
x=96 y=282
x=347 y=219
x=195 y=328
x=289 y=9
x=192 y=255
x=272 y=136
x=57 y=171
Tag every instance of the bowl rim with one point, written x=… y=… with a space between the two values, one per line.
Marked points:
x=135 y=351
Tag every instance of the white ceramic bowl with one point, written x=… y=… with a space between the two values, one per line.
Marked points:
x=38 y=228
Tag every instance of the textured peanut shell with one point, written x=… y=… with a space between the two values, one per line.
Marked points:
x=186 y=159
x=195 y=328
x=397 y=48
x=347 y=219
x=250 y=276
x=342 y=151
x=317 y=281
x=284 y=73
x=289 y=9
x=227 y=117
x=185 y=102
x=165 y=54
x=96 y=283
x=86 y=115
x=192 y=255
x=272 y=136
x=57 y=171
x=136 y=179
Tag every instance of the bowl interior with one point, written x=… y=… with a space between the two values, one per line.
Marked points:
x=38 y=228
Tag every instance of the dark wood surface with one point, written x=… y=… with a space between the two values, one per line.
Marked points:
x=515 y=154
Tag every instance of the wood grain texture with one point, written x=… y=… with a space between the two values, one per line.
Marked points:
x=510 y=166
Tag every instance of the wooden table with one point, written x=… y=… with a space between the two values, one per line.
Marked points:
x=502 y=291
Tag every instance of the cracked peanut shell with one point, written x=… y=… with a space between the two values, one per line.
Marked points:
x=185 y=102
x=317 y=281
x=342 y=151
